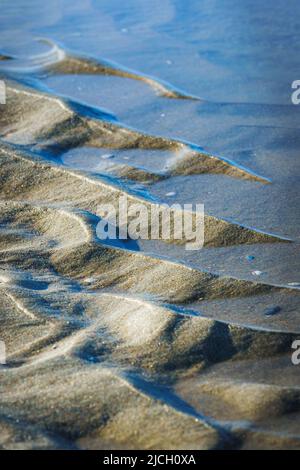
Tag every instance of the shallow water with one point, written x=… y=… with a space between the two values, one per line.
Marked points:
x=220 y=81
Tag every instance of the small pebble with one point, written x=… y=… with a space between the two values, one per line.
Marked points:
x=91 y=359
x=250 y=257
x=272 y=311
x=257 y=273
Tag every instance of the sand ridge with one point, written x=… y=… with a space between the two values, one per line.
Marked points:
x=108 y=346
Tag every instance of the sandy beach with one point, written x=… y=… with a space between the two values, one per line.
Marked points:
x=143 y=344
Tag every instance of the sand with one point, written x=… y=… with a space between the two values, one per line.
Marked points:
x=135 y=345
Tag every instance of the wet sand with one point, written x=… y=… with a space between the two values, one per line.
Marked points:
x=143 y=344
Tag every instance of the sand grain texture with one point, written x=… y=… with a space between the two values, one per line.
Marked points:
x=108 y=345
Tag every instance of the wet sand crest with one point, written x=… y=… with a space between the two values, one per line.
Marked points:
x=108 y=345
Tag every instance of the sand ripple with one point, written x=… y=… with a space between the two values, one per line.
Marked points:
x=109 y=346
